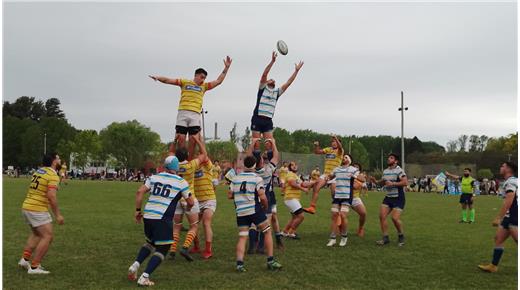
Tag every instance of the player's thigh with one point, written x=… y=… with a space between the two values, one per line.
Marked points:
x=44 y=230
x=256 y=134
x=193 y=218
x=268 y=135
x=513 y=231
x=177 y=218
x=396 y=214
x=207 y=216
x=384 y=210
x=501 y=235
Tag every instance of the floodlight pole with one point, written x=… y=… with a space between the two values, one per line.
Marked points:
x=44 y=143
x=402 y=109
x=203 y=124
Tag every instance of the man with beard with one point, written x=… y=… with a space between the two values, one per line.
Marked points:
x=466 y=198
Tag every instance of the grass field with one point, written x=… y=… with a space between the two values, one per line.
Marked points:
x=100 y=240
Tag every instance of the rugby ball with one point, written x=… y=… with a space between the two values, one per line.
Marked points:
x=282 y=47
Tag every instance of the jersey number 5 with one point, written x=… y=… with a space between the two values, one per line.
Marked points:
x=35 y=182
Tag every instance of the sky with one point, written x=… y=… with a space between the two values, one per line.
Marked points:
x=455 y=62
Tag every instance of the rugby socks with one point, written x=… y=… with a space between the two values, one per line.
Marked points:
x=173 y=247
x=278 y=237
x=270 y=259
x=464 y=215
x=27 y=253
x=260 y=246
x=270 y=154
x=208 y=247
x=144 y=252
x=333 y=236
x=497 y=254
x=386 y=239
x=253 y=238
x=189 y=239
x=240 y=263
x=472 y=215
x=400 y=237
x=154 y=262
x=35 y=264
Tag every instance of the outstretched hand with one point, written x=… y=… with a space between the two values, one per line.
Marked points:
x=153 y=77
x=298 y=66
x=273 y=57
x=227 y=61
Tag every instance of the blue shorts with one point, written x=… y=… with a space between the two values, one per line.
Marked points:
x=261 y=124
x=158 y=232
x=465 y=198
x=342 y=201
x=508 y=222
x=394 y=202
x=257 y=219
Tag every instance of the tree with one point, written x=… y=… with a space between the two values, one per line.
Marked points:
x=222 y=150
x=13 y=129
x=482 y=143
x=284 y=140
x=52 y=109
x=485 y=173
x=451 y=146
x=474 y=143
x=86 y=147
x=462 y=141
x=246 y=139
x=25 y=107
x=359 y=154
x=31 y=147
x=130 y=143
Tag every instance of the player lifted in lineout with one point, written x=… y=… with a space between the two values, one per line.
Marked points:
x=190 y=104
x=266 y=99
x=333 y=157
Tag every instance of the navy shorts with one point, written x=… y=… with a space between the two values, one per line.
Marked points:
x=394 y=202
x=508 y=222
x=257 y=219
x=466 y=198
x=158 y=232
x=185 y=130
x=342 y=201
x=261 y=124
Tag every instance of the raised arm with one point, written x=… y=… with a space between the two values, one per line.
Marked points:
x=451 y=175
x=165 y=80
x=263 y=79
x=340 y=146
x=297 y=68
x=203 y=156
x=222 y=76
x=317 y=149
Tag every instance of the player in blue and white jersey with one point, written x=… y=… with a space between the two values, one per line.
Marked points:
x=248 y=192
x=166 y=189
x=507 y=219
x=394 y=181
x=342 y=196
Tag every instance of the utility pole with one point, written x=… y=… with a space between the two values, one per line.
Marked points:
x=402 y=109
x=44 y=143
x=382 y=160
x=203 y=125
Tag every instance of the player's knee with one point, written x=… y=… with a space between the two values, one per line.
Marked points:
x=161 y=251
x=149 y=247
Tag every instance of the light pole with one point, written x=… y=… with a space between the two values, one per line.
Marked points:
x=349 y=144
x=44 y=143
x=203 y=126
x=402 y=109
x=509 y=156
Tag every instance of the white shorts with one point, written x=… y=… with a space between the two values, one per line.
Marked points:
x=210 y=204
x=186 y=118
x=36 y=218
x=274 y=209
x=343 y=207
x=215 y=182
x=326 y=176
x=181 y=208
x=356 y=201
x=293 y=205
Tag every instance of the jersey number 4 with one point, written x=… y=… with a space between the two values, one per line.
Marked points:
x=161 y=189
x=243 y=188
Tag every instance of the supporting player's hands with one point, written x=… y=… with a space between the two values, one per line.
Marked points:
x=227 y=62
x=138 y=215
x=298 y=66
x=273 y=57
x=59 y=219
x=153 y=77
x=388 y=183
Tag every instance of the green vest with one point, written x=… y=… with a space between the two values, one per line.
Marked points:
x=466 y=185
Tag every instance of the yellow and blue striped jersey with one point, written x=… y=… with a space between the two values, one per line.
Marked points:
x=332 y=159
x=192 y=95
x=203 y=182
x=42 y=180
x=165 y=191
x=292 y=192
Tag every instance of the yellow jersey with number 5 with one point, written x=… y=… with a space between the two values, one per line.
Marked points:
x=192 y=95
x=42 y=180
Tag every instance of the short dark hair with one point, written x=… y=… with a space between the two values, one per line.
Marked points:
x=49 y=158
x=358 y=165
x=201 y=71
x=182 y=154
x=249 y=161
x=216 y=160
x=396 y=157
x=468 y=169
x=350 y=156
x=512 y=166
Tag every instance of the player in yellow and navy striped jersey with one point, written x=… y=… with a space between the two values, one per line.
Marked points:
x=35 y=209
x=190 y=103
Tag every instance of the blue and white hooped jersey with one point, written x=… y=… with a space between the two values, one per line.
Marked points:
x=511 y=184
x=165 y=191
x=394 y=175
x=266 y=101
x=245 y=188
x=266 y=173
x=344 y=181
